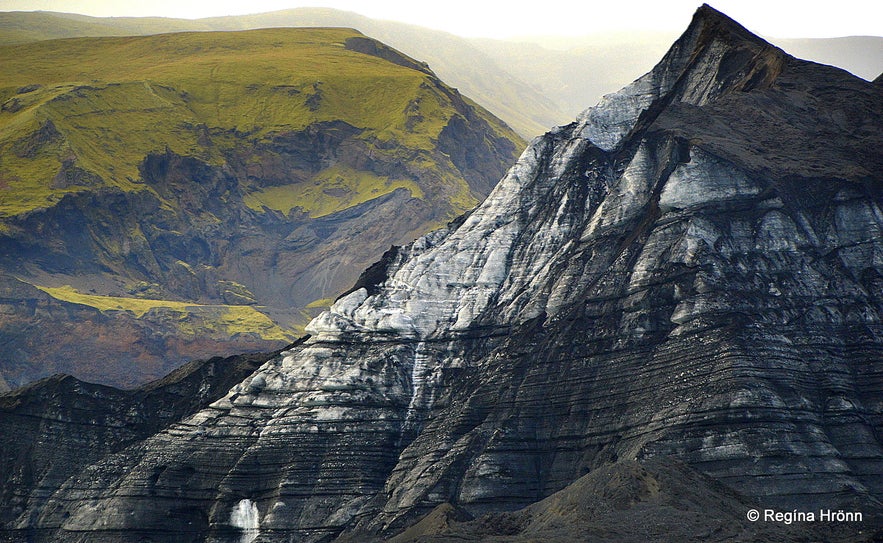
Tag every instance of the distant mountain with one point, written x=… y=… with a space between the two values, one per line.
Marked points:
x=171 y=197
x=667 y=314
x=25 y=27
x=531 y=83
x=577 y=72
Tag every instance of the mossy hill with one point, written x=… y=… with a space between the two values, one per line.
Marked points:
x=456 y=60
x=200 y=190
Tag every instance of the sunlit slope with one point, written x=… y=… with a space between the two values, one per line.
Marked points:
x=24 y=27
x=84 y=112
x=157 y=171
x=452 y=58
x=531 y=83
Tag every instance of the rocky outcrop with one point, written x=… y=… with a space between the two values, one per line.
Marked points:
x=661 y=501
x=674 y=299
x=57 y=426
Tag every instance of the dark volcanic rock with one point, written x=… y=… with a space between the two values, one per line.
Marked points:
x=55 y=427
x=669 y=308
x=32 y=321
x=659 y=500
x=378 y=49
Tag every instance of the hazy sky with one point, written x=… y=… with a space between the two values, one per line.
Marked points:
x=501 y=19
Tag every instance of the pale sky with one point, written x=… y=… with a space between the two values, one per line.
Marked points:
x=499 y=19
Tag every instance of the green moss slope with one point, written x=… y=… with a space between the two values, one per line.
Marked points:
x=112 y=101
x=191 y=318
x=334 y=189
x=212 y=191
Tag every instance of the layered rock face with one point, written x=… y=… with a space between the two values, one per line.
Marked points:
x=689 y=275
x=57 y=426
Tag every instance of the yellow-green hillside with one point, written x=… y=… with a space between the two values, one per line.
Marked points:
x=232 y=319
x=175 y=196
x=112 y=101
x=462 y=63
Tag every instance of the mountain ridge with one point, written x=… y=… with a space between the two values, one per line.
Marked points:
x=532 y=87
x=647 y=299
x=500 y=84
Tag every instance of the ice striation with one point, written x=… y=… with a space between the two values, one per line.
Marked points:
x=691 y=272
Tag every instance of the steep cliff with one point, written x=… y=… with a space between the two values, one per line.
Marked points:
x=164 y=198
x=669 y=308
x=57 y=426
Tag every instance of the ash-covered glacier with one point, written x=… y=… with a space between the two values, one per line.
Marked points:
x=688 y=275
